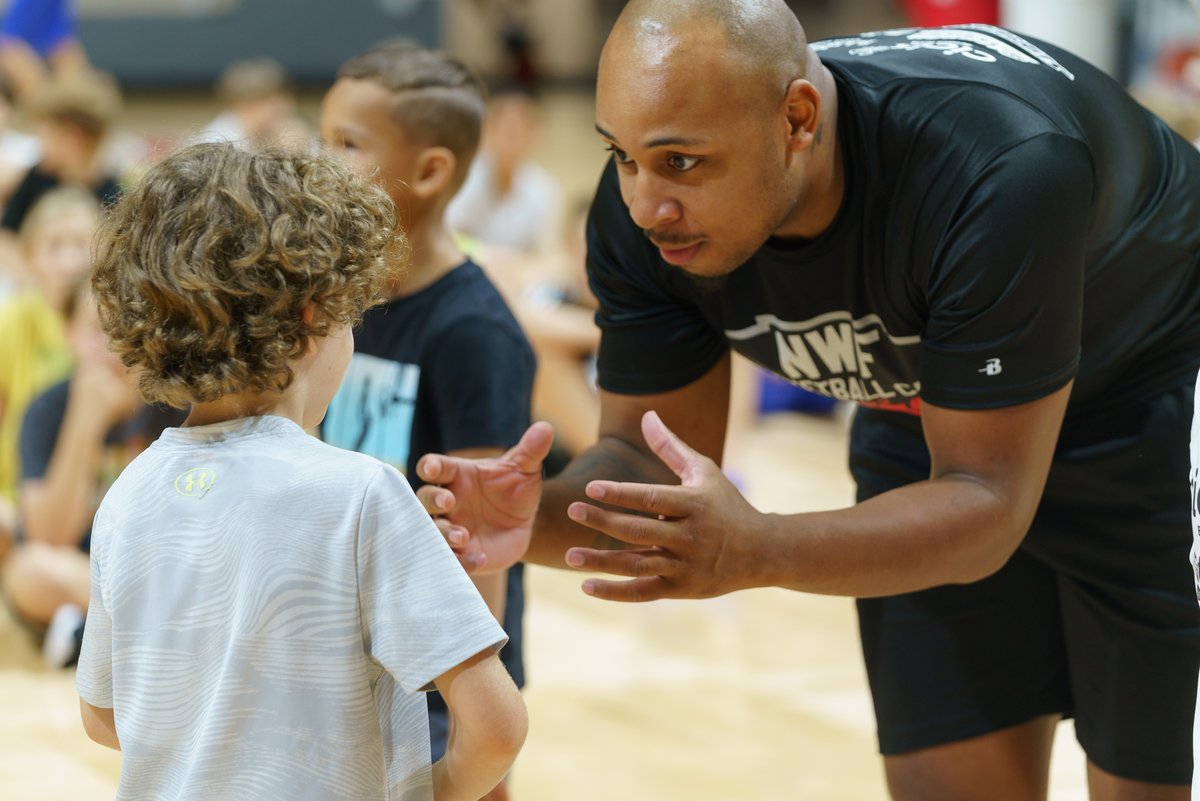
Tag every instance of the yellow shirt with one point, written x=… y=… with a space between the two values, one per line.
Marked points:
x=33 y=355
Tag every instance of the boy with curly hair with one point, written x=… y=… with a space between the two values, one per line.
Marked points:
x=442 y=366
x=267 y=609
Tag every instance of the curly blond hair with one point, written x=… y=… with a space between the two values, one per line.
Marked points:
x=205 y=267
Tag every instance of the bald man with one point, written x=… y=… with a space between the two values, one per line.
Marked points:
x=986 y=244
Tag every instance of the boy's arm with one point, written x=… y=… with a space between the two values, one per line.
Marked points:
x=99 y=724
x=488 y=723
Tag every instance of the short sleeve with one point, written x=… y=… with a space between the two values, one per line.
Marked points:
x=421 y=615
x=93 y=679
x=481 y=380
x=653 y=338
x=40 y=429
x=1006 y=288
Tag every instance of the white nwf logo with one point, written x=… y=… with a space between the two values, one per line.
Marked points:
x=832 y=354
x=992 y=367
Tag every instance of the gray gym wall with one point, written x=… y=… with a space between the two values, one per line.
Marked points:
x=188 y=42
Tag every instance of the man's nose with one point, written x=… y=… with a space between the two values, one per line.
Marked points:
x=650 y=205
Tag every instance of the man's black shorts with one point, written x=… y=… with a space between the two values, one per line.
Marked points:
x=1095 y=616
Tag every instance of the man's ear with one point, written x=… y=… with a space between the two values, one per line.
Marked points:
x=434 y=172
x=802 y=110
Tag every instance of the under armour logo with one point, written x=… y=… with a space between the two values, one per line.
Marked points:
x=992 y=367
x=195 y=482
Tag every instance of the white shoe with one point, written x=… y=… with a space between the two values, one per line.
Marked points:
x=61 y=646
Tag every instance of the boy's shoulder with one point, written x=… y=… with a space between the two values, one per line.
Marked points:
x=274 y=450
x=465 y=295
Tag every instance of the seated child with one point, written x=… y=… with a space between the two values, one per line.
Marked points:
x=56 y=242
x=73 y=114
x=76 y=437
x=266 y=609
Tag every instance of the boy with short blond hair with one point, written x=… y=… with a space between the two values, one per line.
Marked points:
x=266 y=609
x=73 y=114
x=442 y=366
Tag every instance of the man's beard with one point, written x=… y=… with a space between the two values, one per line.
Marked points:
x=704 y=284
x=713 y=284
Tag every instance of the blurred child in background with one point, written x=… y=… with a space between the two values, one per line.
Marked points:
x=34 y=353
x=259 y=107
x=73 y=115
x=75 y=439
x=509 y=201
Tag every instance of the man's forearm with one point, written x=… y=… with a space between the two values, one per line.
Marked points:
x=610 y=458
x=949 y=530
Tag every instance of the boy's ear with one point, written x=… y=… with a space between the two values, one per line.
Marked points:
x=435 y=171
x=308 y=314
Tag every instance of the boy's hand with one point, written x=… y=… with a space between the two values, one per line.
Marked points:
x=485 y=507
x=106 y=390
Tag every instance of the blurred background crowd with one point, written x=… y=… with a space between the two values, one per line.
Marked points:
x=92 y=92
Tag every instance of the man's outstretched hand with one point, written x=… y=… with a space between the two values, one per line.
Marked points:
x=695 y=540
x=485 y=507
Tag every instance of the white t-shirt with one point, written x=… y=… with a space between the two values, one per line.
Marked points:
x=266 y=610
x=527 y=217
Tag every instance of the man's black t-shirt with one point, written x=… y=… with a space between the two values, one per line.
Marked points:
x=38 y=182
x=1012 y=220
x=444 y=369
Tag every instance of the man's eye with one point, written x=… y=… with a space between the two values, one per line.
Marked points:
x=620 y=155
x=682 y=163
